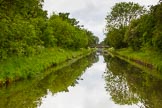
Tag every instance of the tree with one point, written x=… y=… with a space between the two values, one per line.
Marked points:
x=67 y=34
x=72 y=21
x=92 y=40
x=119 y=19
x=145 y=32
x=26 y=29
x=115 y=38
x=157 y=33
x=122 y=13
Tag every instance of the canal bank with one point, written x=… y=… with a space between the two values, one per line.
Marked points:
x=18 y=68
x=145 y=59
x=130 y=85
x=93 y=81
x=28 y=93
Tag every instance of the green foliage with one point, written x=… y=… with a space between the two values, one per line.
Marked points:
x=19 y=33
x=25 y=67
x=142 y=29
x=157 y=39
x=157 y=33
x=29 y=39
x=130 y=85
x=54 y=80
x=115 y=38
x=72 y=21
x=118 y=20
x=92 y=40
x=67 y=36
x=26 y=30
x=145 y=56
x=132 y=35
x=122 y=13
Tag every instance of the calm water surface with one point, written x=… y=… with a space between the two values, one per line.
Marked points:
x=89 y=93
x=92 y=82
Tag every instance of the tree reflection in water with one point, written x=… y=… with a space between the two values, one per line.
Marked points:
x=28 y=94
x=130 y=85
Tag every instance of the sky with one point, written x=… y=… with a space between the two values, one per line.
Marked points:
x=90 y=13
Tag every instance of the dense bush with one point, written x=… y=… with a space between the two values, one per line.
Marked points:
x=26 y=29
x=142 y=32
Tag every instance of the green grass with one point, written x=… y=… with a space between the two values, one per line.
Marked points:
x=145 y=56
x=16 y=68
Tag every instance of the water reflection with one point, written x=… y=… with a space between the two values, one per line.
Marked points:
x=91 y=82
x=28 y=94
x=89 y=93
x=130 y=85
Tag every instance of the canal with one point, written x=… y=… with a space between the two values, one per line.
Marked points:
x=96 y=81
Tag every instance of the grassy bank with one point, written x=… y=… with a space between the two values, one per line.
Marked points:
x=16 y=68
x=58 y=80
x=147 y=58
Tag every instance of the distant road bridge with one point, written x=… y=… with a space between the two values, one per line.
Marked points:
x=100 y=48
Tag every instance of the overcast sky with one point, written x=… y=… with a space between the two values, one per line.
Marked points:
x=90 y=13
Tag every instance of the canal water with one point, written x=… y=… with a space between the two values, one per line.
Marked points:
x=96 y=81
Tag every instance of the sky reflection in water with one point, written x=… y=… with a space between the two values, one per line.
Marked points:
x=89 y=93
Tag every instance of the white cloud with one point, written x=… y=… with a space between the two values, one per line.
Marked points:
x=90 y=13
x=63 y=5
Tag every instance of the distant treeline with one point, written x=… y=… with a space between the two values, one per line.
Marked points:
x=134 y=26
x=25 y=29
